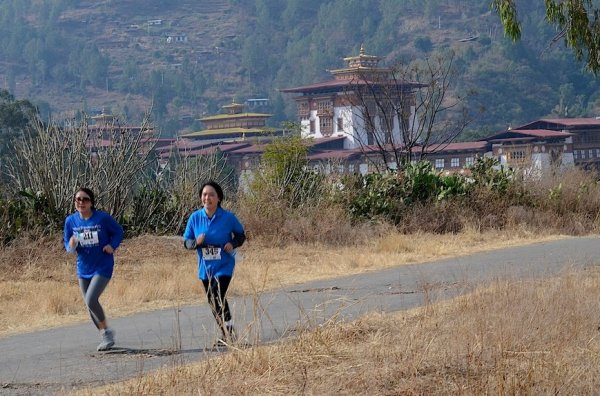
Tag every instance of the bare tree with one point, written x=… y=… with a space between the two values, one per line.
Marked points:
x=406 y=112
x=171 y=194
x=55 y=160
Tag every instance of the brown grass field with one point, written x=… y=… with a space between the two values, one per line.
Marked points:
x=535 y=337
x=38 y=286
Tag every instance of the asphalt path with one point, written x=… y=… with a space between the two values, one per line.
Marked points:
x=61 y=359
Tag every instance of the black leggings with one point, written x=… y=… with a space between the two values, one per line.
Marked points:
x=216 y=289
x=92 y=289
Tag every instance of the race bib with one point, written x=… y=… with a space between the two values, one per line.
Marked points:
x=88 y=238
x=211 y=253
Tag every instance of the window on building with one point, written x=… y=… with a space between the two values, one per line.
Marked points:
x=590 y=153
x=351 y=168
x=439 y=163
x=575 y=154
x=324 y=106
x=469 y=161
x=454 y=162
x=312 y=126
x=341 y=169
x=326 y=125
x=598 y=153
x=303 y=108
x=517 y=156
x=340 y=124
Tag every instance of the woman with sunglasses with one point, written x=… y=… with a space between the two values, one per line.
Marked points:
x=215 y=233
x=94 y=235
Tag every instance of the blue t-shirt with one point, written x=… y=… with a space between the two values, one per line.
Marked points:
x=218 y=231
x=93 y=234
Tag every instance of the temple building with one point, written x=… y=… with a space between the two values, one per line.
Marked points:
x=585 y=140
x=105 y=124
x=349 y=104
x=234 y=125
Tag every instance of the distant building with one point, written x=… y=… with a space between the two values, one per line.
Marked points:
x=586 y=137
x=535 y=151
x=105 y=124
x=234 y=125
x=330 y=108
x=177 y=38
x=257 y=102
x=106 y=130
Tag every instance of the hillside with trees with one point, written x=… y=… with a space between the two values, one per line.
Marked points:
x=186 y=59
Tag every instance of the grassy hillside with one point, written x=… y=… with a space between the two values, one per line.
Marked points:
x=72 y=55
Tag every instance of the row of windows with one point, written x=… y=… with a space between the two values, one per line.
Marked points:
x=352 y=168
x=587 y=138
x=340 y=169
x=326 y=124
x=586 y=154
x=517 y=155
x=324 y=105
x=237 y=124
x=440 y=163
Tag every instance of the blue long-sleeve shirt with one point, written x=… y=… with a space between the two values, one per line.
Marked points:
x=222 y=228
x=93 y=234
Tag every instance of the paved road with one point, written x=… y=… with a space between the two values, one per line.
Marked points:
x=52 y=361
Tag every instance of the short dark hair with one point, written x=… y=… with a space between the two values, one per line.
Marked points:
x=217 y=188
x=90 y=194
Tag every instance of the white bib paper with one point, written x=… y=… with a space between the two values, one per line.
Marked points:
x=211 y=253
x=88 y=238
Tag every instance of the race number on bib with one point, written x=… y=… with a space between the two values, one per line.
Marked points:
x=211 y=253
x=88 y=238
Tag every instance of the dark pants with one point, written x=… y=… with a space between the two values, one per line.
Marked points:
x=216 y=289
x=91 y=289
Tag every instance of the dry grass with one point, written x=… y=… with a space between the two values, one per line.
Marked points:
x=531 y=337
x=40 y=271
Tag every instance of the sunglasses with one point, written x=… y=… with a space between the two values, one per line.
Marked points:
x=82 y=199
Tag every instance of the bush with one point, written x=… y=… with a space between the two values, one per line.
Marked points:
x=387 y=196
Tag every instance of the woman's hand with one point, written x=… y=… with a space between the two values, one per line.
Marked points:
x=73 y=242
x=228 y=247
x=200 y=240
x=108 y=249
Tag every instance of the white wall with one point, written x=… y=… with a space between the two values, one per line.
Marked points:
x=353 y=128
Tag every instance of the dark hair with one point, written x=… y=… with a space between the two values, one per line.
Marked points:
x=217 y=188
x=90 y=194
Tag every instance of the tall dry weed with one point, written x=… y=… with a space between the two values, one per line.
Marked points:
x=324 y=222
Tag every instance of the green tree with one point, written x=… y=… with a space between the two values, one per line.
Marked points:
x=15 y=117
x=578 y=23
x=423 y=43
x=284 y=177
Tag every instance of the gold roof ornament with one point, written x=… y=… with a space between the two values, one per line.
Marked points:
x=233 y=108
x=358 y=65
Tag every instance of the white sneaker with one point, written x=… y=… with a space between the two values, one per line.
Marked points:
x=108 y=340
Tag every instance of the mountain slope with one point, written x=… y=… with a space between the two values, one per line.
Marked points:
x=188 y=58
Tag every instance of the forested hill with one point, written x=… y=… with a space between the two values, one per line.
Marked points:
x=189 y=57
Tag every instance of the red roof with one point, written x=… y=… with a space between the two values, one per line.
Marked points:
x=332 y=154
x=524 y=133
x=343 y=83
x=544 y=133
x=573 y=121
x=461 y=146
x=562 y=122
x=250 y=149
